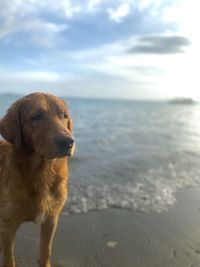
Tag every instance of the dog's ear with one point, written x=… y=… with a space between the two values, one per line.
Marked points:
x=10 y=126
x=70 y=125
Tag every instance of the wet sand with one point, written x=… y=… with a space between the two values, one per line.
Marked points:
x=116 y=238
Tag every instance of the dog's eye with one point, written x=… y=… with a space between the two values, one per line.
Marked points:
x=37 y=117
x=65 y=115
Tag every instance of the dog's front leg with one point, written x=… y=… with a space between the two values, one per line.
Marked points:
x=8 y=244
x=46 y=237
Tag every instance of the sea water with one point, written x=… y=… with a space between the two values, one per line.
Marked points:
x=131 y=155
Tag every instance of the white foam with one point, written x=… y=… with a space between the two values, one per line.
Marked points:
x=151 y=193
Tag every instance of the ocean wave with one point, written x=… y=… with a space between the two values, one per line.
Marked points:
x=152 y=193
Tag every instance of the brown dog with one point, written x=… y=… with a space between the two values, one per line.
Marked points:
x=33 y=169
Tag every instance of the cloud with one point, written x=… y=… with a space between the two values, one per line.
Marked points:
x=159 y=45
x=85 y=72
x=93 y=5
x=96 y=44
x=44 y=34
x=118 y=14
x=19 y=9
x=43 y=22
x=30 y=76
x=41 y=33
x=63 y=23
x=112 y=60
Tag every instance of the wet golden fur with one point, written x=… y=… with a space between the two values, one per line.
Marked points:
x=33 y=170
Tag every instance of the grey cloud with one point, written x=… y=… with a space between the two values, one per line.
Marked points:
x=160 y=45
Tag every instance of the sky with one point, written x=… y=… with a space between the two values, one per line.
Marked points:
x=139 y=49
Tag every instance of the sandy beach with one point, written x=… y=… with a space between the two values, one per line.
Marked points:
x=116 y=238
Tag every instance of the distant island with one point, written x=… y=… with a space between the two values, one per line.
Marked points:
x=182 y=101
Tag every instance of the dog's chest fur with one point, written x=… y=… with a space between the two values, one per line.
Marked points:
x=44 y=196
x=34 y=194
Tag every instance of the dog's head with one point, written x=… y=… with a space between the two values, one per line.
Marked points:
x=39 y=123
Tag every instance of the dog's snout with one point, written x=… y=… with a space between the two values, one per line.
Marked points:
x=63 y=141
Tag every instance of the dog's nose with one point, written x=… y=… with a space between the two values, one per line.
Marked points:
x=63 y=141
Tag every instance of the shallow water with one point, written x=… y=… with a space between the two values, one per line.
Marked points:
x=130 y=155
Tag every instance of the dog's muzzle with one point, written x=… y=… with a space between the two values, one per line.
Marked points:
x=65 y=145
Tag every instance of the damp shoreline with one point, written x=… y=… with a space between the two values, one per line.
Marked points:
x=115 y=238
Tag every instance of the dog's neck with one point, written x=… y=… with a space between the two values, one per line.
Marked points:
x=31 y=161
